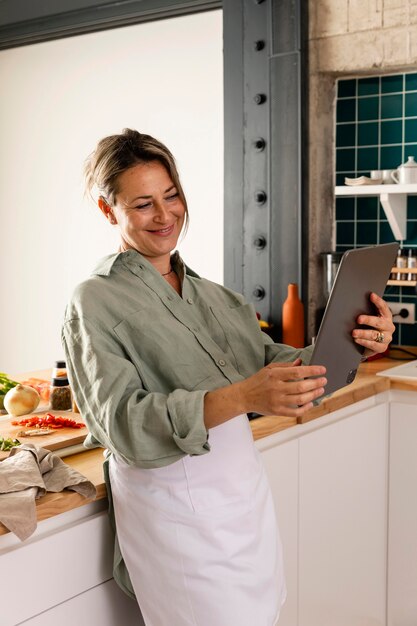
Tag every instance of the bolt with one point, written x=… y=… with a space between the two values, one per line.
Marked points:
x=260 y=242
x=258 y=292
x=260 y=197
x=259 y=144
x=260 y=98
x=259 y=45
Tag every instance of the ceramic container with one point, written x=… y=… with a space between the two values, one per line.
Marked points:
x=406 y=173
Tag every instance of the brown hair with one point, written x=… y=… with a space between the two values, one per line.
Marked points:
x=117 y=153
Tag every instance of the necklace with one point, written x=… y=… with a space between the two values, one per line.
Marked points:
x=166 y=273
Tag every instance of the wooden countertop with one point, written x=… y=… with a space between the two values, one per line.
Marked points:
x=365 y=385
x=90 y=462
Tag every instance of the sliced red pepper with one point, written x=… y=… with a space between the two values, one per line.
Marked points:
x=49 y=420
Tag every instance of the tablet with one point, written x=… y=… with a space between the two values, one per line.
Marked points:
x=360 y=272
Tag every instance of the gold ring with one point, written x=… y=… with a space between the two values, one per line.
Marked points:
x=379 y=337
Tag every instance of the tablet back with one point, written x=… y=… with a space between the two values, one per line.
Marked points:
x=361 y=271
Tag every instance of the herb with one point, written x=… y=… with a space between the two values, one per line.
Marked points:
x=5 y=384
x=8 y=444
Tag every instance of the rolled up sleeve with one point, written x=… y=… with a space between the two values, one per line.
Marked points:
x=189 y=435
x=281 y=353
x=147 y=429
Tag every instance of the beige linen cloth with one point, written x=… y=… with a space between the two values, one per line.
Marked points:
x=26 y=475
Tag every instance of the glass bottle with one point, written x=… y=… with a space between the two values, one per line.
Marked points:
x=411 y=262
x=59 y=370
x=401 y=262
x=60 y=398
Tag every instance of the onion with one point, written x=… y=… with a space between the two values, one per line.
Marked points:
x=21 y=400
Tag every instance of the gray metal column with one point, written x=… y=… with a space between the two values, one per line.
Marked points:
x=256 y=197
x=263 y=217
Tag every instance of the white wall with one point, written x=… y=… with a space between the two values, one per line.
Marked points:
x=58 y=99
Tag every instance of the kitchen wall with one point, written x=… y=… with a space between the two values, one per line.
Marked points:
x=58 y=99
x=350 y=39
x=376 y=128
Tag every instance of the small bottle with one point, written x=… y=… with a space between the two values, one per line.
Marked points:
x=60 y=398
x=401 y=262
x=293 y=319
x=59 y=370
x=411 y=262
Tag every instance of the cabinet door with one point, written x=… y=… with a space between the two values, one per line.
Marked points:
x=343 y=522
x=104 y=605
x=402 y=543
x=50 y=568
x=281 y=463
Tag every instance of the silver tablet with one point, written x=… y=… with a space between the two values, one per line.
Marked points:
x=360 y=272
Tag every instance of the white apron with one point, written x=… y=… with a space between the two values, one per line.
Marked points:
x=199 y=537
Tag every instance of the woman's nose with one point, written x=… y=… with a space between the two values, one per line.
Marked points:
x=161 y=212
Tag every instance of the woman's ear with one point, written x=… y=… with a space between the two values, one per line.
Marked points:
x=106 y=210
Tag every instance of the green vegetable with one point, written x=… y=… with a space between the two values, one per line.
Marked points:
x=8 y=444
x=5 y=384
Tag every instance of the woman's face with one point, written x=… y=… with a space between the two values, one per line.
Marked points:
x=149 y=211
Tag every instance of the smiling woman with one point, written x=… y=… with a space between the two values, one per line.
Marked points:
x=164 y=366
x=141 y=193
x=149 y=209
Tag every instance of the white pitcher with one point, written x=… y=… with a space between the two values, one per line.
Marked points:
x=406 y=173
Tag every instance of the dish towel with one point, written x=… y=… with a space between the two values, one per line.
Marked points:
x=26 y=475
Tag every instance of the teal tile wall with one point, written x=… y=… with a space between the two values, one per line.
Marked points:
x=376 y=128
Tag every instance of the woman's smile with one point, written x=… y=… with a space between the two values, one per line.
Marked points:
x=163 y=232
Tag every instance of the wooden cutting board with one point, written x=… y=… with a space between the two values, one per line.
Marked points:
x=59 y=438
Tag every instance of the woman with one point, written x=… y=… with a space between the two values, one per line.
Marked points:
x=165 y=366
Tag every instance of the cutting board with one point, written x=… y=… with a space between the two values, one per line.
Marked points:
x=58 y=439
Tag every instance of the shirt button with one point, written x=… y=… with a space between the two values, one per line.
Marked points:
x=190 y=301
x=221 y=362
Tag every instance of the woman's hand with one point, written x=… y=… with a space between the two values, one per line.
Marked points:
x=283 y=389
x=277 y=389
x=377 y=338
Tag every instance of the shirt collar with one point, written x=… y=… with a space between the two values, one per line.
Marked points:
x=105 y=265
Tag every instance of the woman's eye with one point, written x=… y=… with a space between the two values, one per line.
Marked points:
x=175 y=195
x=144 y=206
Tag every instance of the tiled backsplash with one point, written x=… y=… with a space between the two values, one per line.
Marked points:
x=376 y=129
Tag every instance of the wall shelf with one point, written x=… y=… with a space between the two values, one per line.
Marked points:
x=403 y=283
x=393 y=199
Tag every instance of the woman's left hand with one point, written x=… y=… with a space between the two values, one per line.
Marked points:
x=376 y=338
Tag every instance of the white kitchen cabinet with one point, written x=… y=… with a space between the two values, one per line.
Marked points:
x=281 y=464
x=402 y=552
x=343 y=522
x=336 y=481
x=66 y=566
x=329 y=479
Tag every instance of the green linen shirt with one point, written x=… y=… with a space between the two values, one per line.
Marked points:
x=141 y=358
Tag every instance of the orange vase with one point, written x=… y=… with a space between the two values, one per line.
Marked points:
x=293 y=319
